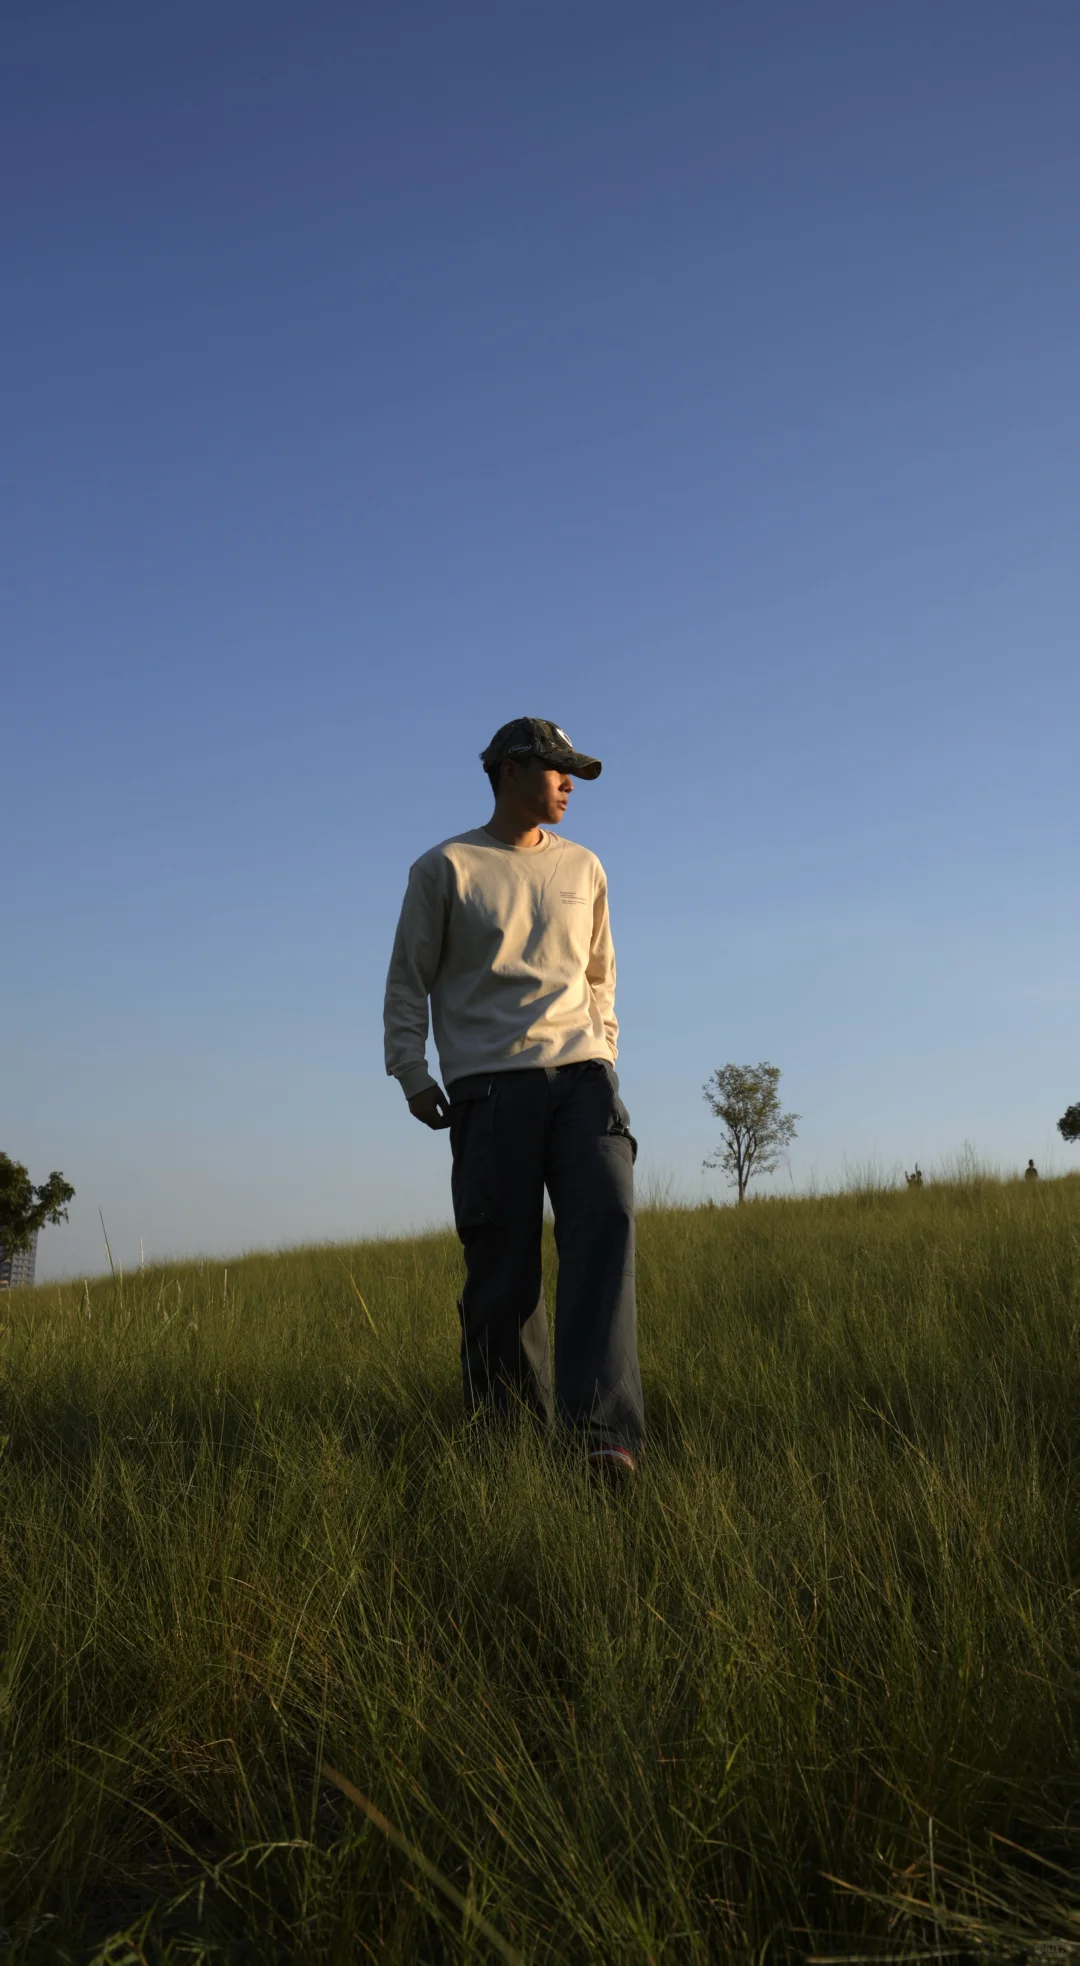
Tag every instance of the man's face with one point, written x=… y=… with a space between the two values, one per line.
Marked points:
x=542 y=793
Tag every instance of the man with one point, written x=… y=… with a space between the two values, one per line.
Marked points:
x=505 y=929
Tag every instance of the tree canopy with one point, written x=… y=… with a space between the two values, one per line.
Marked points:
x=746 y=1101
x=25 y=1209
x=1069 y=1123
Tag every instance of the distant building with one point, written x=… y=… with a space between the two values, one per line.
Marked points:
x=17 y=1267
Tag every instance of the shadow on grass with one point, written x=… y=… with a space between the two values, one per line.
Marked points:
x=55 y=1428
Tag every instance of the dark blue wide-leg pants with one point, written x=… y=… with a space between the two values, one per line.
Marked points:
x=512 y=1135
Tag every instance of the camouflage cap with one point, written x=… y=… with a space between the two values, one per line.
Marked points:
x=535 y=737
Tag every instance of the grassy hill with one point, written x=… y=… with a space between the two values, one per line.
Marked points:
x=812 y=1688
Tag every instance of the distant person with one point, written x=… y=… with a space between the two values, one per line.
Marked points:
x=914 y=1180
x=505 y=929
x=1031 y=1172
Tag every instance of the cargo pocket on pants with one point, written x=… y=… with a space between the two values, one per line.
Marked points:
x=619 y=1123
x=472 y=1143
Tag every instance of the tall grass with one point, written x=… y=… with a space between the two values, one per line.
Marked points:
x=811 y=1689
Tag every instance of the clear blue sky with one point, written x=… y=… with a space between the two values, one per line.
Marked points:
x=702 y=377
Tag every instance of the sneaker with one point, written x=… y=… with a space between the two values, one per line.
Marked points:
x=617 y=1463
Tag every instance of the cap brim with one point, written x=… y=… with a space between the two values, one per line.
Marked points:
x=575 y=762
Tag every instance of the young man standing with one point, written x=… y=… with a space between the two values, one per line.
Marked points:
x=505 y=929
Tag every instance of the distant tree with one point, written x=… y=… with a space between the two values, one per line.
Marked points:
x=746 y=1101
x=25 y=1209
x=1069 y=1123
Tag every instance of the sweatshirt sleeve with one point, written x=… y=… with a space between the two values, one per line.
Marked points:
x=600 y=974
x=413 y=968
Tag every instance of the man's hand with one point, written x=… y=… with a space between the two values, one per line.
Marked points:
x=431 y=1106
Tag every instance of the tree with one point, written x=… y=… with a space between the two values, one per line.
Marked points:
x=746 y=1101
x=1069 y=1123
x=25 y=1209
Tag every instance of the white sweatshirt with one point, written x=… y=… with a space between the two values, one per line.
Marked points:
x=513 y=946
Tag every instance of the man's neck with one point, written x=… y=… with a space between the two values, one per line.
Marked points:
x=513 y=829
